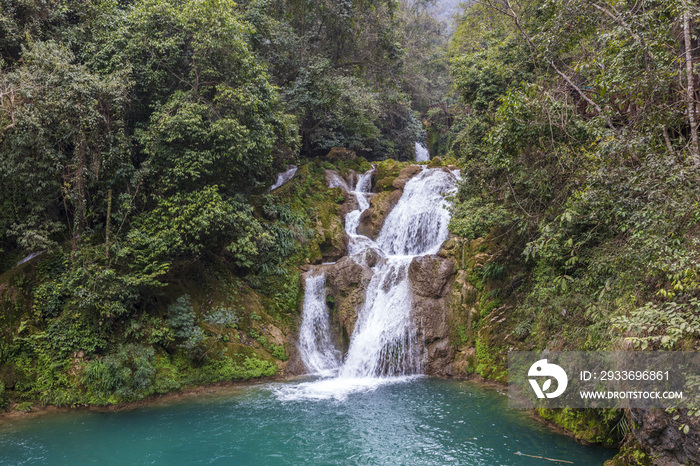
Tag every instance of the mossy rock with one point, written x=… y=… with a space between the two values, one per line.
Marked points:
x=341 y=154
x=595 y=426
x=373 y=218
x=387 y=172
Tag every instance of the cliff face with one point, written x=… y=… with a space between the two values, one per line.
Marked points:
x=431 y=279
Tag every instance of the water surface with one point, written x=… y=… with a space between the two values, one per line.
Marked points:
x=419 y=421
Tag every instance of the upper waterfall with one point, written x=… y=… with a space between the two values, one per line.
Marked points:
x=421 y=153
x=418 y=223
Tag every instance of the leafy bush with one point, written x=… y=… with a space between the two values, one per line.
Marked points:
x=183 y=322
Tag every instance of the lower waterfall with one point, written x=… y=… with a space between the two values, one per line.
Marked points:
x=383 y=346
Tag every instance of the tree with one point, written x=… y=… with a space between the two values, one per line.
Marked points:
x=61 y=145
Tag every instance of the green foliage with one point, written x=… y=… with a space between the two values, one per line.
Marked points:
x=61 y=145
x=574 y=158
x=476 y=218
x=661 y=326
x=579 y=165
x=489 y=361
x=593 y=426
x=127 y=374
x=183 y=321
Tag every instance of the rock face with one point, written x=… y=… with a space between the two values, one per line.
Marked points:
x=373 y=218
x=662 y=437
x=346 y=283
x=405 y=175
x=332 y=239
x=430 y=278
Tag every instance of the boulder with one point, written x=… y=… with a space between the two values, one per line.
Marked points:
x=348 y=206
x=405 y=175
x=336 y=180
x=332 y=239
x=341 y=153
x=373 y=218
x=430 y=318
x=429 y=276
x=346 y=283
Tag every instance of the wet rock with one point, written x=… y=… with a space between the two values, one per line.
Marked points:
x=429 y=276
x=336 y=180
x=405 y=175
x=332 y=239
x=346 y=283
x=348 y=205
x=430 y=317
x=373 y=218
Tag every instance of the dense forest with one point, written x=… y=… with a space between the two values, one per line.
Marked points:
x=581 y=160
x=138 y=140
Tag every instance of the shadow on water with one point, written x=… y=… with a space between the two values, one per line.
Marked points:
x=419 y=421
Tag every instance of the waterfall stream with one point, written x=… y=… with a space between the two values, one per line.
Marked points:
x=421 y=153
x=283 y=177
x=383 y=346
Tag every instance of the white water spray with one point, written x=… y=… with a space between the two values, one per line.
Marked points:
x=422 y=154
x=315 y=346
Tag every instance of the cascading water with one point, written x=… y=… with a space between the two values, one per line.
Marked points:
x=383 y=344
x=315 y=346
x=421 y=152
x=283 y=177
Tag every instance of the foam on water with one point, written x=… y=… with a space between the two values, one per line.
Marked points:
x=335 y=388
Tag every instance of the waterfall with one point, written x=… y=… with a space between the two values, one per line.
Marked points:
x=422 y=154
x=315 y=346
x=283 y=177
x=383 y=344
x=361 y=191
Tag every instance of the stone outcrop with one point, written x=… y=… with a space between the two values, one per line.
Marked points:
x=346 y=283
x=373 y=218
x=663 y=438
x=332 y=241
x=405 y=175
x=430 y=278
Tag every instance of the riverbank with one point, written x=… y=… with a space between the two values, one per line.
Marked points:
x=203 y=391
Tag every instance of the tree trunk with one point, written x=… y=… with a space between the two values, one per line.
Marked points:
x=690 y=91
